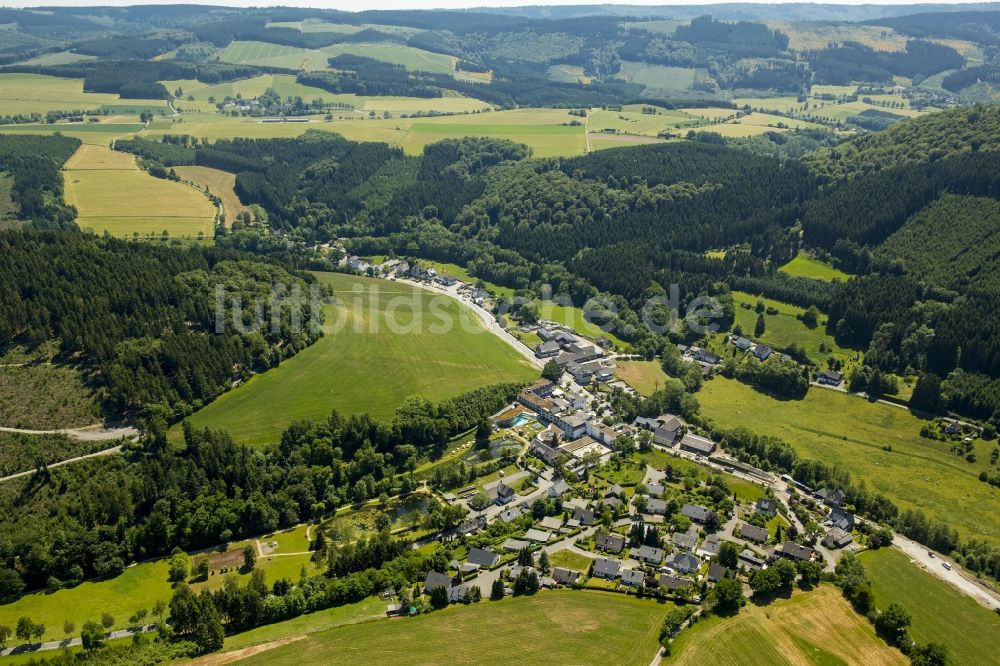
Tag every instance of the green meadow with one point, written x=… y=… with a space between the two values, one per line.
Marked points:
x=803 y=265
x=364 y=364
x=563 y=626
x=941 y=614
x=877 y=443
x=292 y=57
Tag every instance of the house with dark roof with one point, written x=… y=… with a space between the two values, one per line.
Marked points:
x=748 y=560
x=565 y=576
x=435 y=579
x=831 y=496
x=762 y=352
x=514 y=545
x=837 y=538
x=697 y=444
x=683 y=562
x=501 y=493
x=511 y=514
x=709 y=547
x=767 y=507
x=665 y=438
x=585 y=516
x=484 y=557
x=654 y=489
x=698 y=513
x=840 y=518
x=647 y=554
x=559 y=488
x=684 y=540
x=672 y=583
x=633 y=577
x=609 y=543
x=742 y=343
x=829 y=378
x=548 y=349
x=615 y=491
x=717 y=572
x=705 y=356
x=753 y=533
x=794 y=551
x=606 y=568
x=656 y=507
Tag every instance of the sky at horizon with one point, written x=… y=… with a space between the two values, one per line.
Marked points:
x=358 y=5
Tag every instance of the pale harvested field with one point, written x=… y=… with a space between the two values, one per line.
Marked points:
x=219 y=183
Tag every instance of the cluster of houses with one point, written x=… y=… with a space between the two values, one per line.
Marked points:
x=573 y=355
x=670 y=431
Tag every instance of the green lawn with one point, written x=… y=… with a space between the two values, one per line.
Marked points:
x=568 y=627
x=806 y=266
x=784 y=328
x=570 y=560
x=364 y=363
x=644 y=376
x=817 y=627
x=940 y=612
x=850 y=431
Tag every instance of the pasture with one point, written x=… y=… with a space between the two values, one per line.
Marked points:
x=634 y=121
x=37 y=93
x=95 y=134
x=804 y=265
x=292 y=57
x=541 y=129
x=940 y=613
x=112 y=194
x=377 y=351
x=817 y=627
x=139 y=586
x=784 y=328
x=563 y=626
x=644 y=376
x=659 y=77
x=785 y=104
x=877 y=443
x=219 y=183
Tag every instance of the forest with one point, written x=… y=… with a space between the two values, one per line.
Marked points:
x=33 y=163
x=142 y=318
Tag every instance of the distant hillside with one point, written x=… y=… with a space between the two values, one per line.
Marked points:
x=929 y=138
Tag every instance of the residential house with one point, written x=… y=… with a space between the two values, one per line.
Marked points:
x=609 y=543
x=709 y=547
x=698 y=513
x=501 y=493
x=511 y=514
x=537 y=536
x=753 y=533
x=633 y=577
x=684 y=540
x=484 y=557
x=613 y=503
x=665 y=438
x=545 y=333
x=559 y=488
x=840 y=518
x=762 y=352
x=648 y=554
x=471 y=526
x=683 y=563
x=606 y=568
x=468 y=568
x=656 y=507
x=837 y=538
x=654 y=489
x=831 y=496
x=456 y=595
x=565 y=576
x=717 y=572
x=707 y=357
x=514 y=545
x=552 y=523
x=585 y=516
x=615 y=491
x=602 y=433
x=830 y=378
x=673 y=583
x=794 y=551
x=767 y=506
x=435 y=579
x=742 y=343
x=447 y=281
x=547 y=349
x=748 y=560
x=697 y=444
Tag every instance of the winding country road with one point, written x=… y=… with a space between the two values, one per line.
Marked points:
x=92 y=433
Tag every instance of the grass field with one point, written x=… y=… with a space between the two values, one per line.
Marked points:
x=219 y=183
x=355 y=368
x=632 y=120
x=781 y=104
x=817 y=627
x=659 y=77
x=851 y=432
x=575 y=319
x=97 y=134
x=784 y=328
x=541 y=129
x=804 y=265
x=286 y=86
x=940 y=612
x=28 y=93
x=112 y=194
x=276 y=55
x=570 y=560
x=806 y=36
x=46 y=397
x=57 y=58
x=559 y=627
x=139 y=586
x=643 y=376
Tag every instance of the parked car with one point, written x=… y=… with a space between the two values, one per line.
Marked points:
x=946 y=566
x=930 y=554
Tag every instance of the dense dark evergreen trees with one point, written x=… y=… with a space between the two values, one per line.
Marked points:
x=33 y=162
